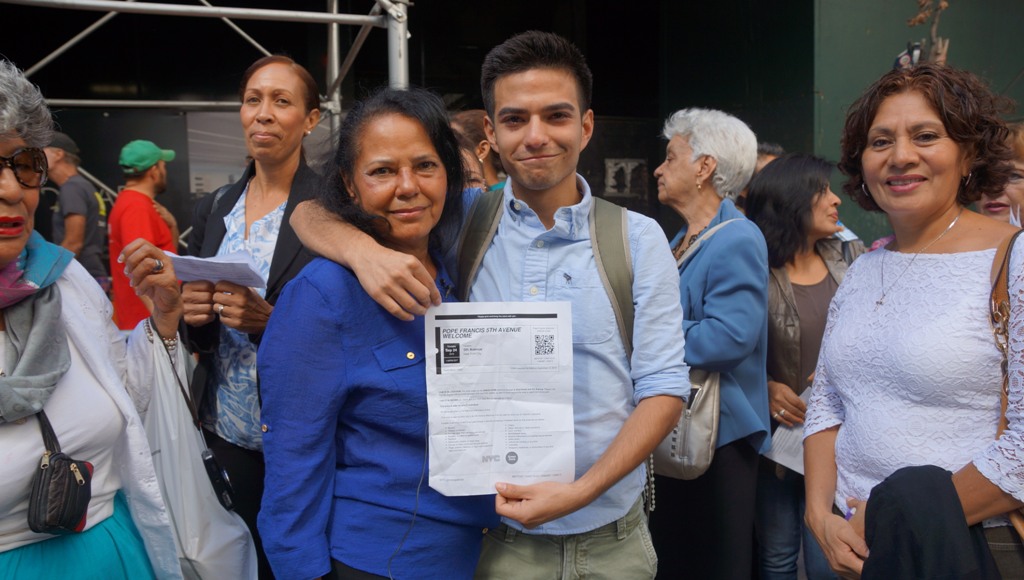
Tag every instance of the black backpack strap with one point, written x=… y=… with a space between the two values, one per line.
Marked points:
x=608 y=236
x=477 y=234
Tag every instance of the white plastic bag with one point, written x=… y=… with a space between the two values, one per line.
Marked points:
x=212 y=542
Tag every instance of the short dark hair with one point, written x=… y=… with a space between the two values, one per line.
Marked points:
x=533 y=50
x=768 y=148
x=428 y=110
x=311 y=100
x=970 y=114
x=781 y=199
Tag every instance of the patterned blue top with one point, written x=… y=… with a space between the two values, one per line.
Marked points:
x=233 y=408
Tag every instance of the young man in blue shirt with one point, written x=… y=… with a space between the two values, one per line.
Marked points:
x=536 y=89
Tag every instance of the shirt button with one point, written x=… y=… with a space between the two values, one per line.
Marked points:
x=533 y=290
x=540 y=243
x=410 y=355
x=486 y=530
x=518 y=206
x=264 y=428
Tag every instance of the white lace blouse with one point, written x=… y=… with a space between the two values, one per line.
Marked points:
x=916 y=380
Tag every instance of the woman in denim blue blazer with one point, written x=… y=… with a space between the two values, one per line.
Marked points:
x=703 y=528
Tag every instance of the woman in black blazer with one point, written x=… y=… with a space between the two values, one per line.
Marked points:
x=280 y=107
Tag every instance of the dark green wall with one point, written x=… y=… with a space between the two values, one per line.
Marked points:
x=855 y=42
x=754 y=59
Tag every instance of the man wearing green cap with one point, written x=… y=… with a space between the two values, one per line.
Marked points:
x=136 y=214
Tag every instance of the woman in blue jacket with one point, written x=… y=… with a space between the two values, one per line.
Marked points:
x=703 y=528
x=344 y=382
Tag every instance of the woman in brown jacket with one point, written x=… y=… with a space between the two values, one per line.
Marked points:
x=791 y=202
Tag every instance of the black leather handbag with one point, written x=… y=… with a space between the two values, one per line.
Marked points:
x=61 y=488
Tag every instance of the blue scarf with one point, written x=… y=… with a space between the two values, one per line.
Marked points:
x=37 y=342
x=39 y=265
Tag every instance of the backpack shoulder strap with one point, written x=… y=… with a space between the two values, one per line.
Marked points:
x=609 y=239
x=609 y=231
x=476 y=236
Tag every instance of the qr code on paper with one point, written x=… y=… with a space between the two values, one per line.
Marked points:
x=543 y=344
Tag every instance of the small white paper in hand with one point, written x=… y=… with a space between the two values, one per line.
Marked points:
x=236 y=268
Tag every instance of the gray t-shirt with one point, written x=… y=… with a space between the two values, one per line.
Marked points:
x=78 y=196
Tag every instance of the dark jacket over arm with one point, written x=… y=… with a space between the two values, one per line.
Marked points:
x=915 y=528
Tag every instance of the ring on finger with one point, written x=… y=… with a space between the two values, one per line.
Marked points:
x=782 y=412
x=776 y=416
x=158 y=267
x=220 y=309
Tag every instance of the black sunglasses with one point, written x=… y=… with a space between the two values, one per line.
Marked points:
x=29 y=166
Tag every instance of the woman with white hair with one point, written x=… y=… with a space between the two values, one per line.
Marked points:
x=703 y=528
x=67 y=370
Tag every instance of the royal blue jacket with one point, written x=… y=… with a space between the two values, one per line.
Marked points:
x=345 y=418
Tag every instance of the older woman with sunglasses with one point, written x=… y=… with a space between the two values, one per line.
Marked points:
x=64 y=360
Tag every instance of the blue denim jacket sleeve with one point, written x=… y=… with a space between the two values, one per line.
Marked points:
x=734 y=305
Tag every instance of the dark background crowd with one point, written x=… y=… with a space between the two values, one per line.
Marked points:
x=788 y=69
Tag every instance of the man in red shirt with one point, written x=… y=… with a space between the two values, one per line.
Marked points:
x=136 y=214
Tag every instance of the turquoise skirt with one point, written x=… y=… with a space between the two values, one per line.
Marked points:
x=110 y=550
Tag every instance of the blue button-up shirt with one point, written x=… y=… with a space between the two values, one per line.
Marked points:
x=526 y=262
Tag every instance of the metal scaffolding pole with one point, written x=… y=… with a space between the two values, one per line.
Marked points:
x=204 y=11
x=333 y=97
x=395 y=19
x=115 y=103
x=67 y=45
x=398 y=44
x=353 y=51
x=245 y=36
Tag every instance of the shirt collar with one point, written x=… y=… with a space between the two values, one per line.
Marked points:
x=573 y=220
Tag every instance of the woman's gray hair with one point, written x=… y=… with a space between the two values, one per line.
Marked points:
x=721 y=136
x=23 y=111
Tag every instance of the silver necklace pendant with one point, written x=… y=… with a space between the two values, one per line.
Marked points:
x=881 y=299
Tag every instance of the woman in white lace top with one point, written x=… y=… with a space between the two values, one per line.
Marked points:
x=909 y=372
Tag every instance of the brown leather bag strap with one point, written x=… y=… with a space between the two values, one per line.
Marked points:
x=1000 y=318
x=1000 y=315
